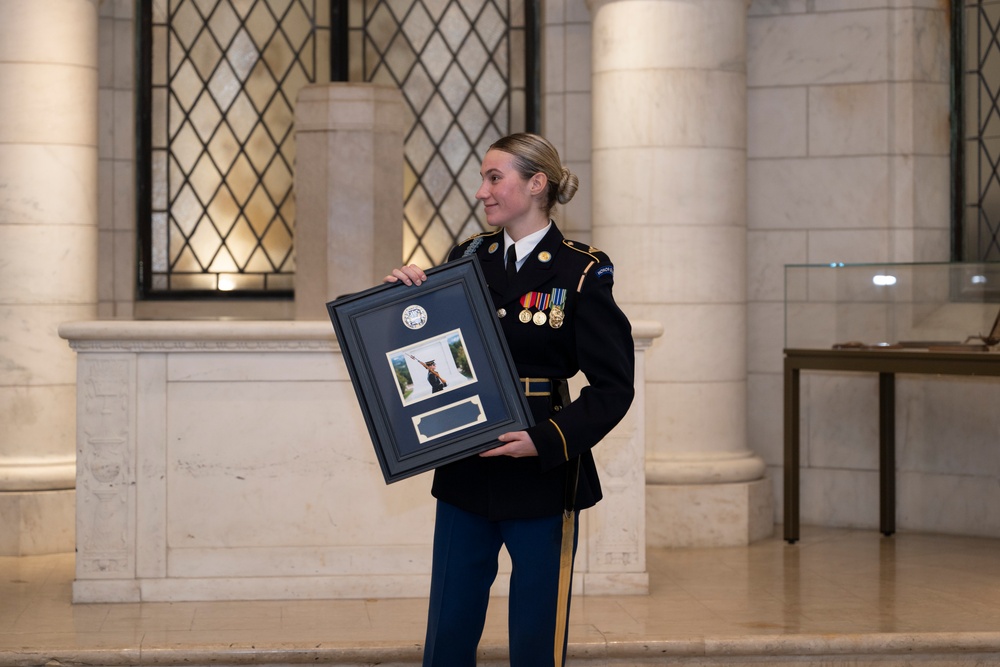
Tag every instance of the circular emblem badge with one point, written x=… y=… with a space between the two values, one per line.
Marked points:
x=414 y=317
x=493 y=247
x=544 y=256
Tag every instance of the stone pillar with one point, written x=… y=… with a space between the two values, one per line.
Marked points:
x=48 y=258
x=669 y=172
x=348 y=191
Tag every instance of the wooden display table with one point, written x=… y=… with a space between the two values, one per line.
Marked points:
x=887 y=363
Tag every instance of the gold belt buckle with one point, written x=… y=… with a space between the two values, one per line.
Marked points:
x=527 y=386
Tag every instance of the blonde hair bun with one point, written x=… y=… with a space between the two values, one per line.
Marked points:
x=568 y=186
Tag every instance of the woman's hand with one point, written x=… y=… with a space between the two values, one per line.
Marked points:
x=515 y=443
x=408 y=275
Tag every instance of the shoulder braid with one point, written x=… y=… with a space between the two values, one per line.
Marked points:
x=597 y=259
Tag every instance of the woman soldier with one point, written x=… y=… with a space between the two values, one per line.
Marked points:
x=554 y=300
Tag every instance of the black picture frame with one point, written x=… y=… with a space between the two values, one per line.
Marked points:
x=389 y=333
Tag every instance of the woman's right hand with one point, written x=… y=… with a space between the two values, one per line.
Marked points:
x=408 y=275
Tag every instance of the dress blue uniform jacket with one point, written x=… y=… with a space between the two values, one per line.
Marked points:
x=595 y=337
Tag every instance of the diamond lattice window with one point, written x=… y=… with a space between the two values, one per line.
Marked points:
x=224 y=75
x=461 y=68
x=978 y=237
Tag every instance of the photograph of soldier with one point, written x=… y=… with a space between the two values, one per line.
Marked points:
x=433 y=377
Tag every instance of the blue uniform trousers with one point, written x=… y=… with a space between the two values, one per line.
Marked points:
x=466 y=547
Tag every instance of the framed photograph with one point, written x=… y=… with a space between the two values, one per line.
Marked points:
x=430 y=368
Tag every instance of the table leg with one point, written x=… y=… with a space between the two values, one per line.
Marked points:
x=887 y=452
x=791 y=454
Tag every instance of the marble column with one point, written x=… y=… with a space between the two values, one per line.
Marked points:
x=348 y=191
x=669 y=184
x=48 y=258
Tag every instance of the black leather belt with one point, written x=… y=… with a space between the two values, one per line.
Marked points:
x=536 y=386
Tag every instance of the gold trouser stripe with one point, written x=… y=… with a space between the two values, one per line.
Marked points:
x=563 y=438
x=565 y=579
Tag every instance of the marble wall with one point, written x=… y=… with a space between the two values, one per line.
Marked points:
x=848 y=161
x=230 y=460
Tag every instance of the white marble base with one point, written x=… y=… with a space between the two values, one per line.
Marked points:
x=709 y=515
x=36 y=522
x=230 y=460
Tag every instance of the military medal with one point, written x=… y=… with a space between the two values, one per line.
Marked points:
x=542 y=301
x=557 y=315
x=527 y=301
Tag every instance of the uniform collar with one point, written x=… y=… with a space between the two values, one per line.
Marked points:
x=536 y=267
x=524 y=246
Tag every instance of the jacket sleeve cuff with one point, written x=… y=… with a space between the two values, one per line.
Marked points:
x=550 y=441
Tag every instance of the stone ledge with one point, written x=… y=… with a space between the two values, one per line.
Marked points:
x=930 y=649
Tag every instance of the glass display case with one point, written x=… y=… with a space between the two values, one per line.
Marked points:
x=935 y=306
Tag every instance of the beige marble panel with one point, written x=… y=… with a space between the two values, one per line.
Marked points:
x=854 y=5
x=697 y=104
x=670 y=35
x=921 y=118
x=48 y=104
x=105 y=50
x=31 y=352
x=709 y=516
x=921 y=43
x=944 y=428
x=849 y=119
x=931 y=192
x=947 y=504
x=299 y=494
x=578 y=57
x=124 y=45
x=37 y=270
x=49 y=31
x=555 y=61
x=777 y=121
x=695 y=419
x=574 y=219
x=777 y=7
x=105 y=197
x=38 y=421
x=690 y=265
x=124 y=197
x=815 y=48
x=833 y=441
x=928 y=245
x=765 y=336
x=105 y=123
x=820 y=193
x=850 y=246
x=838 y=497
x=125 y=124
x=767 y=254
x=671 y=186
x=700 y=343
x=765 y=432
x=48 y=184
x=151 y=461
x=38 y=522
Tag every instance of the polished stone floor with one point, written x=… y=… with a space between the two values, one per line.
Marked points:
x=836 y=595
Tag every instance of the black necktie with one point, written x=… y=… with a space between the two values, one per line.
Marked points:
x=511 y=263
